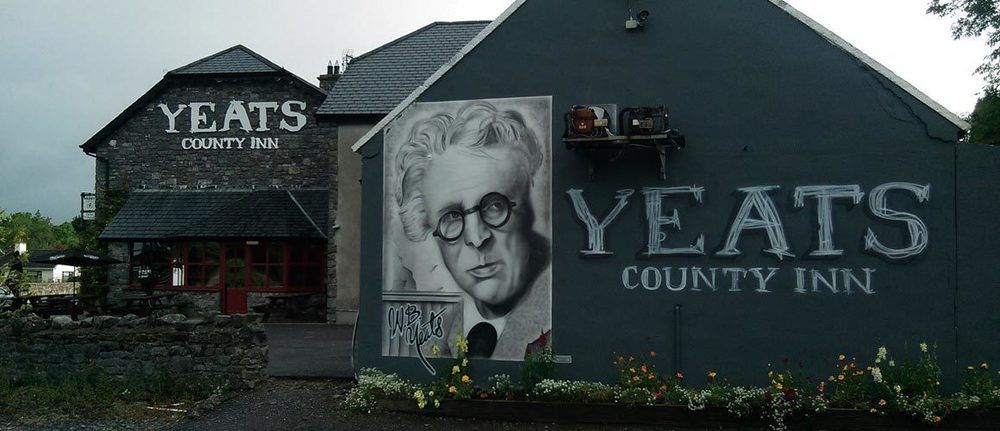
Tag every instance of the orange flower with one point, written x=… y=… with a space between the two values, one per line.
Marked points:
x=937 y=419
x=881 y=402
x=840 y=377
x=711 y=374
x=453 y=389
x=841 y=357
x=465 y=379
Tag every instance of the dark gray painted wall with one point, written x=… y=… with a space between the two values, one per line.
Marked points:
x=763 y=100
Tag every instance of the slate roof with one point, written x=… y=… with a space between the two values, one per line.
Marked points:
x=238 y=59
x=220 y=214
x=378 y=80
x=234 y=61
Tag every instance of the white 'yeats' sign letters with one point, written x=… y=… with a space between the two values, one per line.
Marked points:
x=248 y=117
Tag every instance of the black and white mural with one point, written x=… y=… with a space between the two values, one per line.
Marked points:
x=467 y=222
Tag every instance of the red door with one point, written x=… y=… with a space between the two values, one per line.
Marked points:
x=234 y=291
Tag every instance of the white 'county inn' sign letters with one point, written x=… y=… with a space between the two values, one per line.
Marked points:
x=239 y=112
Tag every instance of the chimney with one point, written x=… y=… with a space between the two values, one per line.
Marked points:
x=332 y=75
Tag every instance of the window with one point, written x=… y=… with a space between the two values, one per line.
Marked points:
x=257 y=265
x=68 y=276
x=151 y=262
x=34 y=276
x=267 y=265
x=201 y=267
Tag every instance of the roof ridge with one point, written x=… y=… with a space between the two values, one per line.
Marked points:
x=305 y=213
x=241 y=47
x=411 y=34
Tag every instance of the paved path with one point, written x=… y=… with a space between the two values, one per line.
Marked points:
x=309 y=350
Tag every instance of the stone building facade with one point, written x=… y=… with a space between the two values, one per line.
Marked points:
x=235 y=131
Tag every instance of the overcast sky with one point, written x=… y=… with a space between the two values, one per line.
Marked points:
x=69 y=67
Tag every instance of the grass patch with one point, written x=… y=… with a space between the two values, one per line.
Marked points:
x=92 y=395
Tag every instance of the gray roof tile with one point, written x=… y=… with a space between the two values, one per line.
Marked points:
x=220 y=214
x=374 y=83
x=238 y=59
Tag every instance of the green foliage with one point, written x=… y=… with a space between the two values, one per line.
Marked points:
x=37 y=231
x=374 y=385
x=538 y=365
x=985 y=120
x=574 y=391
x=94 y=280
x=974 y=18
x=90 y=394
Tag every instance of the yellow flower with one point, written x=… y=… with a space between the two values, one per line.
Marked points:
x=631 y=370
x=881 y=402
x=465 y=379
x=452 y=389
x=462 y=343
x=937 y=419
x=455 y=370
x=778 y=386
x=711 y=374
x=841 y=357
x=831 y=378
x=435 y=350
x=840 y=377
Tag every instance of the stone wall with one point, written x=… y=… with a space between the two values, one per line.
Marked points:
x=223 y=350
x=37 y=289
x=141 y=154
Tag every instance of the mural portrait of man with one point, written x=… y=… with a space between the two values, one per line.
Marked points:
x=467 y=240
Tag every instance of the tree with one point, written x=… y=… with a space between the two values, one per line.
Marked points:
x=985 y=120
x=37 y=231
x=976 y=18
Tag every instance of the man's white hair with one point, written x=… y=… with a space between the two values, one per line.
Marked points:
x=478 y=125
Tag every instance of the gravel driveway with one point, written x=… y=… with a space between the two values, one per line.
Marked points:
x=286 y=405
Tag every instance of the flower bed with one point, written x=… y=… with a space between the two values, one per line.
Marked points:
x=884 y=395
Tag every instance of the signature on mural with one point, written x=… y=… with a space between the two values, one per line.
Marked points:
x=405 y=322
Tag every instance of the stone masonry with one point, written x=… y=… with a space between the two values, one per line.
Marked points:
x=141 y=154
x=222 y=350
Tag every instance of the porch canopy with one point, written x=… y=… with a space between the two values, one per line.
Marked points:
x=159 y=215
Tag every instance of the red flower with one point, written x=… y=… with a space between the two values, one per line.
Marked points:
x=790 y=394
x=543 y=340
x=652 y=353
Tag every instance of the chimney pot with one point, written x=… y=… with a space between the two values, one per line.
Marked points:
x=329 y=68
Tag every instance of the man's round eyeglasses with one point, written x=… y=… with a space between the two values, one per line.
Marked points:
x=494 y=210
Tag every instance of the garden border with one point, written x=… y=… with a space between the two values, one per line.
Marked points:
x=681 y=416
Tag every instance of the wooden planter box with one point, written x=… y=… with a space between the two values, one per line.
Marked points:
x=682 y=417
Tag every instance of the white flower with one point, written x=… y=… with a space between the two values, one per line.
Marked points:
x=898 y=388
x=892 y=363
x=877 y=375
x=923 y=347
x=882 y=354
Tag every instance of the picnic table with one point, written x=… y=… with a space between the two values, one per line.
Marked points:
x=144 y=305
x=291 y=304
x=50 y=305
